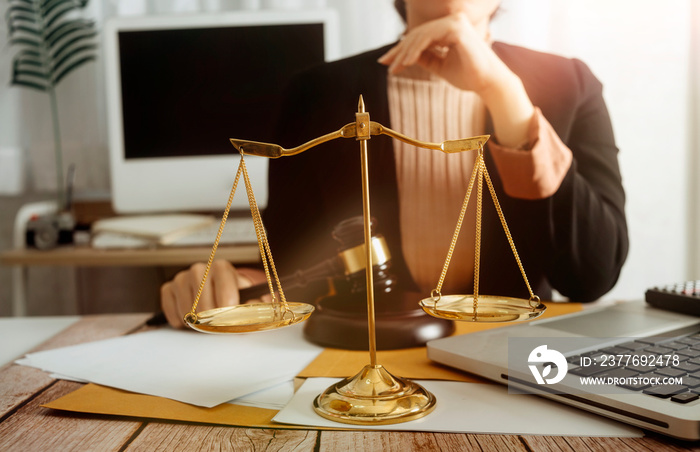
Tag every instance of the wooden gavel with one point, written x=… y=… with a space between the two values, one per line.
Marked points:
x=348 y=261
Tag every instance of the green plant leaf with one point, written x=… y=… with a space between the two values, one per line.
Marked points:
x=21 y=19
x=57 y=16
x=55 y=33
x=19 y=73
x=29 y=84
x=26 y=41
x=66 y=29
x=55 y=12
x=49 y=7
x=31 y=58
x=28 y=62
x=67 y=45
x=42 y=25
x=57 y=65
x=73 y=66
x=12 y=8
x=30 y=30
x=28 y=53
x=25 y=12
x=71 y=50
x=29 y=3
x=46 y=4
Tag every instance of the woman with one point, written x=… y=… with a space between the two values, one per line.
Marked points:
x=552 y=158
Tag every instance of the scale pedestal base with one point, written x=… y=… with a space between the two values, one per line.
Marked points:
x=374 y=397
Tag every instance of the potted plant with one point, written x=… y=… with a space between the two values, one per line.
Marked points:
x=52 y=42
x=51 y=45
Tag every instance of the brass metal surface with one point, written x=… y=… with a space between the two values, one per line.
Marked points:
x=463 y=307
x=490 y=308
x=366 y=215
x=246 y=318
x=354 y=258
x=374 y=397
x=350 y=131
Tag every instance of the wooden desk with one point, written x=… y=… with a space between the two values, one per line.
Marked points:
x=26 y=426
x=89 y=257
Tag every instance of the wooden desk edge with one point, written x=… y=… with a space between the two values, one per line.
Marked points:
x=86 y=256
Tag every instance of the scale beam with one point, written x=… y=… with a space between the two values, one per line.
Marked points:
x=350 y=131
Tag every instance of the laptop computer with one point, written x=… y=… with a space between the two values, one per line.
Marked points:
x=629 y=361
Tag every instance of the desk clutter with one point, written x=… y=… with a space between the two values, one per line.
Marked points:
x=167 y=230
x=97 y=225
x=248 y=380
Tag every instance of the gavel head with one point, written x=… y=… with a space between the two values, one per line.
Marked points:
x=350 y=234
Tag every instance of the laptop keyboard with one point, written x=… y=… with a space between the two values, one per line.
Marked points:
x=648 y=359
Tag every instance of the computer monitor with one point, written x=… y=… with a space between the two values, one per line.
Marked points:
x=178 y=87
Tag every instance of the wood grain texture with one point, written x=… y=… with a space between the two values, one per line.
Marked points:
x=33 y=428
x=651 y=443
x=26 y=426
x=19 y=383
x=416 y=441
x=167 y=437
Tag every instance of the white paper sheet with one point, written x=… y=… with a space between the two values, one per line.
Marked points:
x=274 y=398
x=471 y=408
x=18 y=335
x=195 y=368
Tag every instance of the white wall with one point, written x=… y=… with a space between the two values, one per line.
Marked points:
x=640 y=51
x=693 y=204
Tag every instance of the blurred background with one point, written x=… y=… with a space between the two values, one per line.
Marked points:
x=646 y=53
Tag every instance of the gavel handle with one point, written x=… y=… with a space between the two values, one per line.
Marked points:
x=329 y=268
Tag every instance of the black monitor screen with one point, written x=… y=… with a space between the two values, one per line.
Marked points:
x=187 y=91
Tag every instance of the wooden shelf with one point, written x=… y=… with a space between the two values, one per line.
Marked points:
x=86 y=256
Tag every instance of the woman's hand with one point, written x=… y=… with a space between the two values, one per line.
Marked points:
x=451 y=48
x=221 y=289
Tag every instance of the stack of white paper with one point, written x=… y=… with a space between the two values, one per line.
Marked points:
x=200 y=369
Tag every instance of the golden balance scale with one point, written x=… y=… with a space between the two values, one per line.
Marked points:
x=373 y=396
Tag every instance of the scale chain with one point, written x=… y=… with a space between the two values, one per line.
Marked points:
x=508 y=235
x=265 y=252
x=477 y=238
x=455 y=236
x=192 y=316
x=479 y=173
x=263 y=244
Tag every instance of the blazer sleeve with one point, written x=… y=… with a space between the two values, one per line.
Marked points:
x=586 y=218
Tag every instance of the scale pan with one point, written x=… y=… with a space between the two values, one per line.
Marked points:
x=246 y=318
x=489 y=308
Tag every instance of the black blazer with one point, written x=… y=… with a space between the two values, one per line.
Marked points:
x=574 y=241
